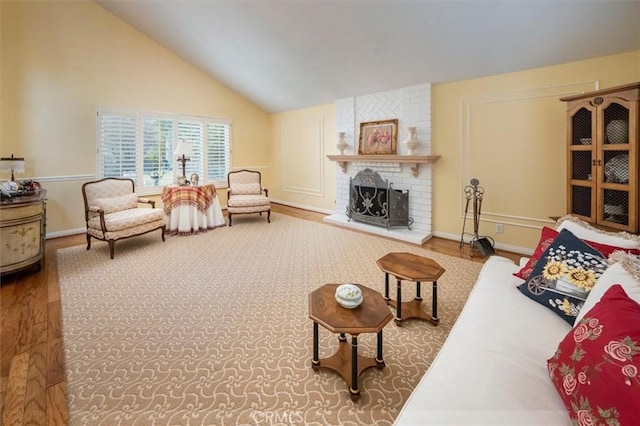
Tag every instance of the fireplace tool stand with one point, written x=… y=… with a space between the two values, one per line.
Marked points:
x=484 y=244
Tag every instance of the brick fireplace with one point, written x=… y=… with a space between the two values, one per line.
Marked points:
x=412 y=107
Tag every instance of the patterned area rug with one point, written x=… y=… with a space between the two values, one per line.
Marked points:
x=213 y=329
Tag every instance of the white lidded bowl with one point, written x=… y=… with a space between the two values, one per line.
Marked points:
x=348 y=295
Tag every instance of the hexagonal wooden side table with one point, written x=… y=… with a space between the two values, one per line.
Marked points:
x=411 y=267
x=370 y=317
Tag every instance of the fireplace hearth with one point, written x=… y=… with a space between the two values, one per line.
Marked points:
x=374 y=201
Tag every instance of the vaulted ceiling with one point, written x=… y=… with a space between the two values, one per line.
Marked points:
x=290 y=54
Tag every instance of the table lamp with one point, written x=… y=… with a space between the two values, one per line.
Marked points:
x=12 y=164
x=182 y=151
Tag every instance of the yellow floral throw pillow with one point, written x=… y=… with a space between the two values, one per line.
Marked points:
x=565 y=274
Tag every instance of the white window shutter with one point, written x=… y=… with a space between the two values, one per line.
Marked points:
x=218 y=160
x=157 y=151
x=193 y=133
x=117 y=145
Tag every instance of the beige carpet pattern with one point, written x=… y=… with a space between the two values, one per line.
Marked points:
x=213 y=329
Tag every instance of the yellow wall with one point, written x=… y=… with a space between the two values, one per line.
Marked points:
x=300 y=141
x=506 y=130
x=60 y=60
x=509 y=132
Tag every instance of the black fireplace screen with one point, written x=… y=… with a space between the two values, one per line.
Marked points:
x=373 y=200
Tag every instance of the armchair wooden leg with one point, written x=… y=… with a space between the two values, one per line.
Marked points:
x=164 y=228
x=112 y=246
x=268 y=216
x=88 y=242
x=229 y=217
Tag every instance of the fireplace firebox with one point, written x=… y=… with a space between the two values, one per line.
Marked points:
x=373 y=200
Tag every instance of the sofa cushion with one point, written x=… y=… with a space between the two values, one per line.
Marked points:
x=546 y=238
x=596 y=369
x=116 y=204
x=585 y=231
x=625 y=272
x=566 y=272
x=492 y=369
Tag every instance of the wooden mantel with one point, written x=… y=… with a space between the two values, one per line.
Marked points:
x=413 y=160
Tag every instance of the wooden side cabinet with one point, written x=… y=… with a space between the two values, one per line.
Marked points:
x=22 y=232
x=602 y=157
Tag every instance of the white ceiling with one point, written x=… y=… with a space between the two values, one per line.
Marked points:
x=291 y=54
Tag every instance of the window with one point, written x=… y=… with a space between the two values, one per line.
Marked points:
x=157 y=148
x=139 y=145
x=192 y=132
x=117 y=135
x=217 y=151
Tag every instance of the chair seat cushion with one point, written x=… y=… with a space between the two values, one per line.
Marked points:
x=248 y=201
x=127 y=232
x=127 y=218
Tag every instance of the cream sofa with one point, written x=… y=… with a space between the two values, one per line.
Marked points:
x=492 y=369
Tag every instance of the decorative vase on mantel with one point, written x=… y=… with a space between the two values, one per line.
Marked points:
x=412 y=141
x=342 y=142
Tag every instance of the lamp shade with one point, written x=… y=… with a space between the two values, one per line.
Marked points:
x=183 y=148
x=11 y=165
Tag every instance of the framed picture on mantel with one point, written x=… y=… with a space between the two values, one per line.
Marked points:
x=378 y=137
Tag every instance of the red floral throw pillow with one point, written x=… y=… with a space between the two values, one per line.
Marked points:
x=546 y=238
x=596 y=369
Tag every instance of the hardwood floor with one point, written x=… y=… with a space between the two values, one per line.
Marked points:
x=32 y=381
x=32 y=386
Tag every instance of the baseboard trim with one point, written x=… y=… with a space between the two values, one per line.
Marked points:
x=65 y=233
x=514 y=249
x=301 y=206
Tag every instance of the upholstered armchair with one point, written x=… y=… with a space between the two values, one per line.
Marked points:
x=245 y=194
x=112 y=213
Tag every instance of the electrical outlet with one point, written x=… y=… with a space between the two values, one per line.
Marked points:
x=499 y=228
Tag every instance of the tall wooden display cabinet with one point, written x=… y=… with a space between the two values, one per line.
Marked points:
x=602 y=157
